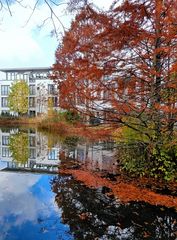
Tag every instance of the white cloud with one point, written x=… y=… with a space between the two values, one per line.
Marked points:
x=16 y=199
x=18 y=47
x=22 y=44
x=17 y=187
x=103 y=4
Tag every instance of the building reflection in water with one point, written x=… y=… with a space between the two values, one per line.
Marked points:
x=28 y=149
x=37 y=154
x=97 y=156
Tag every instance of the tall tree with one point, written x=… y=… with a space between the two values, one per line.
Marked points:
x=18 y=97
x=123 y=64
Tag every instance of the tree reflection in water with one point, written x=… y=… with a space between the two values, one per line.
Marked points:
x=19 y=147
x=93 y=215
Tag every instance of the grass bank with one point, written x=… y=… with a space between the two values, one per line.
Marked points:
x=76 y=129
x=61 y=127
x=19 y=121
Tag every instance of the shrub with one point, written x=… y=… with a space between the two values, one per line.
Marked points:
x=139 y=156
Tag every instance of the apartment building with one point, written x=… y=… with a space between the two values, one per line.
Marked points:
x=41 y=88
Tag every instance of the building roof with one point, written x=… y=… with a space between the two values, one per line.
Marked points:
x=30 y=69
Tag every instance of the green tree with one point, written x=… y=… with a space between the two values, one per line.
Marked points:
x=18 y=97
x=18 y=145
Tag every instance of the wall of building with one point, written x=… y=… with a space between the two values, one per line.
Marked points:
x=41 y=87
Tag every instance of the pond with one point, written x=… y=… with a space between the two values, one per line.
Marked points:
x=39 y=202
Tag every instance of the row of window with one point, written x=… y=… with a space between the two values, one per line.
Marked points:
x=39 y=76
x=52 y=154
x=52 y=101
x=32 y=89
x=32 y=101
x=16 y=76
x=51 y=89
x=32 y=141
x=26 y=76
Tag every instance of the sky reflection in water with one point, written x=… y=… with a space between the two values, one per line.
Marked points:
x=57 y=207
x=27 y=208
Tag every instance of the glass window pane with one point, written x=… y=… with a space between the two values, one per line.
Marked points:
x=4 y=90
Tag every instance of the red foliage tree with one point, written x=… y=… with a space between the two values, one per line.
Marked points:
x=121 y=65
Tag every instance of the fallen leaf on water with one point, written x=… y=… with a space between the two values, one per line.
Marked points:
x=125 y=192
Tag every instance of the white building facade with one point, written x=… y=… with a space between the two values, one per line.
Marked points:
x=41 y=88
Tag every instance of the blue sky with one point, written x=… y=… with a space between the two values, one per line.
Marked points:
x=27 y=208
x=24 y=45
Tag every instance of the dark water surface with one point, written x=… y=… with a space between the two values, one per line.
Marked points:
x=38 y=204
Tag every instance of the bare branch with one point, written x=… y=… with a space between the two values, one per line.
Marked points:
x=53 y=14
x=7 y=3
x=33 y=10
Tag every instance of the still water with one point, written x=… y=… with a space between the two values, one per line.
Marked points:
x=28 y=209
x=38 y=203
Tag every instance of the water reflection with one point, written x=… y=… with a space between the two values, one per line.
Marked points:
x=36 y=206
x=97 y=156
x=92 y=215
x=27 y=209
x=18 y=146
x=28 y=149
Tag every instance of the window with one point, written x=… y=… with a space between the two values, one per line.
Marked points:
x=6 y=152
x=32 y=102
x=5 y=140
x=55 y=101
x=4 y=90
x=25 y=76
x=20 y=76
x=5 y=113
x=32 y=153
x=32 y=89
x=52 y=154
x=4 y=102
x=32 y=141
x=31 y=80
x=80 y=154
x=51 y=89
x=32 y=113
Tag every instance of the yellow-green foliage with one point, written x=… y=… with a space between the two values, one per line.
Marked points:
x=19 y=147
x=143 y=155
x=136 y=132
x=50 y=108
x=18 y=97
x=128 y=135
